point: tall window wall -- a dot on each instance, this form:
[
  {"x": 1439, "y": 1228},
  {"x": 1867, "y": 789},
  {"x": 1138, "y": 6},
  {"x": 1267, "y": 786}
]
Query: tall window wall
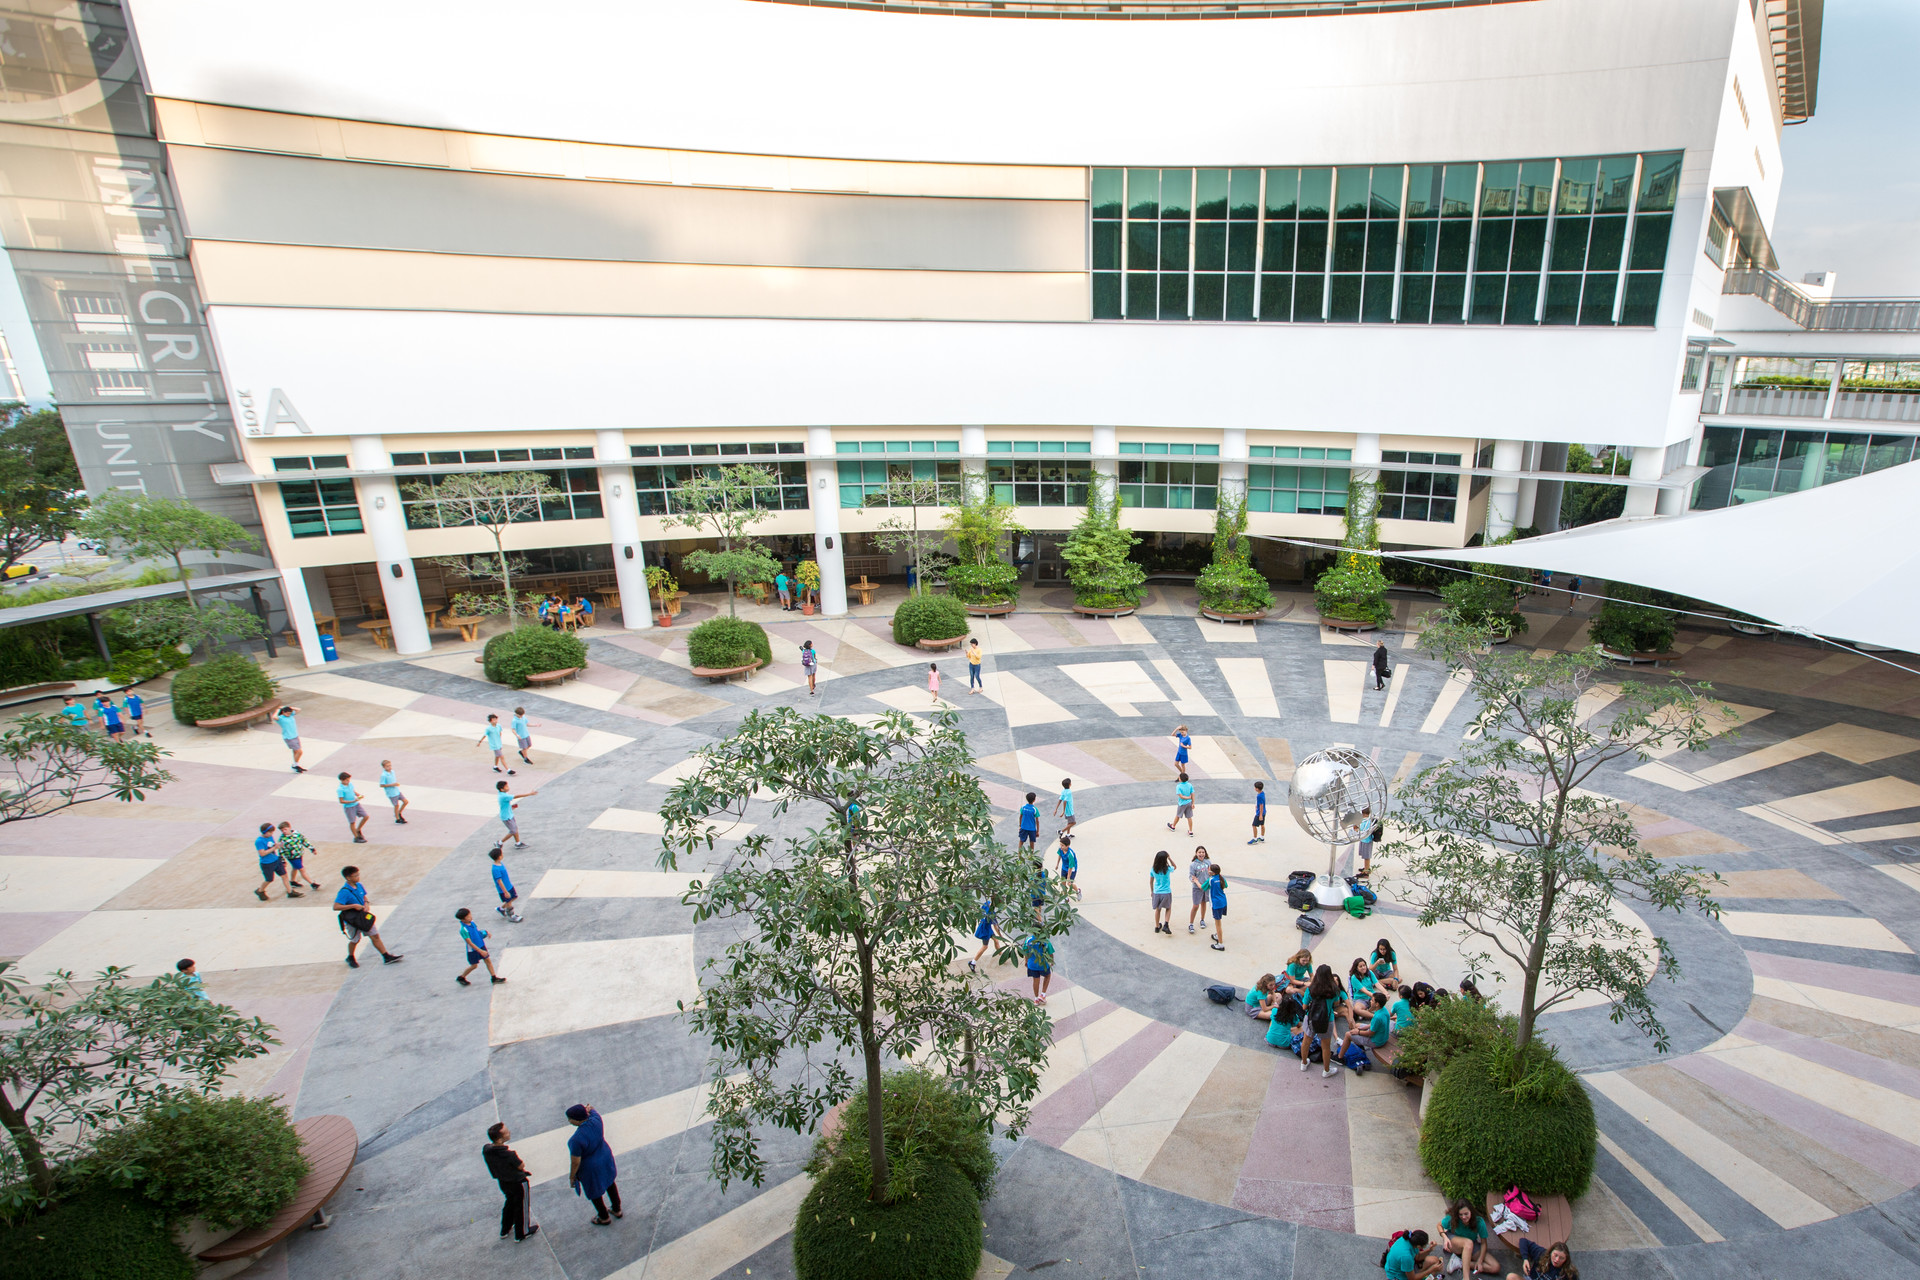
[
  {"x": 1419, "y": 495},
  {"x": 1749, "y": 464},
  {"x": 319, "y": 508},
  {"x": 1040, "y": 481},
  {"x": 1578, "y": 240},
  {"x": 1285, "y": 478}
]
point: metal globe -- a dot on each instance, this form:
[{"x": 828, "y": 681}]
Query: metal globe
[{"x": 1329, "y": 792}]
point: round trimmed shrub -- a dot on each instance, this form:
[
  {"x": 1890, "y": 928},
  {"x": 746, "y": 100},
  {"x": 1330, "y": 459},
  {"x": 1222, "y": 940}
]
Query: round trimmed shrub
[
  {"x": 924, "y": 1119},
  {"x": 101, "y": 1234},
  {"x": 1482, "y": 1134},
  {"x": 1630, "y": 622},
  {"x": 224, "y": 685},
  {"x": 529, "y": 650},
  {"x": 727, "y": 641},
  {"x": 1353, "y": 590},
  {"x": 932, "y": 1233},
  {"x": 1233, "y": 586},
  {"x": 231, "y": 1161},
  {"x": 928, "y": 617},
  {"x": 993, "y": 583}
]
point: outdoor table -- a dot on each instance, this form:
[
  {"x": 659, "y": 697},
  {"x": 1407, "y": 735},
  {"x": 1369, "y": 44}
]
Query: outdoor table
[
  {"x": 469, "y": 627},
  {"x": 381, "y": 631}
]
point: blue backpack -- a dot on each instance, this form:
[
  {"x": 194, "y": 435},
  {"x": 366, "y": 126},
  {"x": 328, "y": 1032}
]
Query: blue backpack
[
  {"x": 1358, "y": 887},
  {"x": 1355, "y": 1057}
]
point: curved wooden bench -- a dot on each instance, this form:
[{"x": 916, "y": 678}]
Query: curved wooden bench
[
  {"x": 1348, "y": 624},
  {"x": 1232, "y": 617},
  {"x": 330, "y": 1145},
  {"x": 260, "y": 712},
  {"x": 934, "y": 646},
  {"x": 554, "y": 677},
  {"x": 998, "y": 610},
  {"x": 1554, "y": 1226},
  {"x": 726, "y": 673},
  {"x": 1641, "y": 659},
  {"x": 1089, "y": 611}
]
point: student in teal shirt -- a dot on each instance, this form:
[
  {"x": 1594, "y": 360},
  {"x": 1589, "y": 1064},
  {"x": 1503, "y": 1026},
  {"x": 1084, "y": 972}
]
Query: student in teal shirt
[
  {"x": 1286, "y": 1019},
  {"x": 74, "y": 712},
  {"x": 1402, "y": 1013},
  {"x": 1360, "y": 988},
  {"x": 395, "y": 796},
  {"x": 1160, "y": 891},
  {"x": 1411, "y": 1257}
]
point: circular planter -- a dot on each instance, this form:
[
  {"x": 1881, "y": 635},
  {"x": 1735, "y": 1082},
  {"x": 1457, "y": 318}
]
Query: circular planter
[
  {"x": 1749, "y": 628},
  {"x": 933, "y": 646},
  {"x": 999, "y": 610},
  {"x": 1640, "y": 658},
  {"x": 1217, "y": 616},
  {"x": 1088, "y": 611},
  {"x": 1347, "y": 624}
]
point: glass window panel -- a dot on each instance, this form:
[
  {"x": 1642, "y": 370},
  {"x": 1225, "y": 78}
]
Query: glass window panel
[
  {"x": 1240, "y": 297},
  {"x": 1259, "y": 500},
  {"x": 1204, "y": 497},
  {"x": 1209, "y": 295},
  {"x": 1659, "y": 179},
  {"x": 1026, "y": 495},
  {"x": 347, "y": 520},
  {"x": 1423, "y": 242},
  {"x": 1106, "y": 246},
  {"x": 1143, "y": 246},
  {"x": 331, "y": 462},
  {"x": 336, "y": 493},
  {"x": 1446, "y": 486},
  {"x": 1173, "y": 297},
  {"x": 1143, "y": 193},
  {"x": 1345, "y": 299},
  {"x": 1351, "y": 191},
  {"x": 1209, "y": 246},
  {"x": 1349, "y": 246},
  {"x": 1416, "y": 299},
  {"x": 1529, "y": 244},
  {"x": 1155, "y": 494},
  {"x": 1308, "y": 292},
  {"x": 1206, "y": 472},
  {"x": 1106, "y": 295},
  {"x": 1522, "y": 293},
  {"x": 1650, "y": 232},
  {"x": 1496, "y": 243},
  {"x": 1210, "y": 193},
  {"x": 1244, "y": 194},
  {"x": 1316, "y": 193},
  {"x": 1173, "y": 246},
  {"x": 1276, "y": 297},
  {"x": 1596, "y": 301},
  {"x": 1003, "y": 493},
  {"x": 1643, "y": 298},
  {"x": 1283, "y": 192},
  {"x": 1577, "y": 178},
  {"x": 1180, "y": 472},
  {"x": 1888, "y": 451},
  {"x": 299, "y": 495},
  {"x": 1423, "y": 191},
  {"x": 1391, "y": 506},
  {"x": 1615, "y": 193},
  {"x": 1415, "y": 509},
  {"x": 676, "y": 451},
  {"x": 1382, "y": 240},
  {"x": 476, "y": 455},
  {"x": 1441, "y": 509},
  {"x": 410, "y": 459},
  {"x": 706, "y": 451},
  {"x": 1376, "y": 302},
  {"x": 1570, "y": 243},
  {"x": 1176, "y": 194},
  {"x": 1846, "y": 455},
  {"x": 1417, "y": 482},
  {"x": 1143, "y": 295},
  {"x": 1603, "y": 248},
  {"x": 1456, "y": 196},
  {"x": 1107, "y": 185},
  {"x": 1240, "y": 245},
  {"x": 1449, "y": 299},
  {"x": 1456, "y": 238},
  {"x": 1534, "y": 195},
  {"x": 1278, "y": 252},
  {"x": 1385, "y": 202},
  {"x": 1312, "y": 253},
  {"x": 1496, "y": 189}
]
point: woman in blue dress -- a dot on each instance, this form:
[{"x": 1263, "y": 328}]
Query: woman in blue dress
[{"x": 591, "y": 1169}]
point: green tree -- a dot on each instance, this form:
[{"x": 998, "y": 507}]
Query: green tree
[
  {"x": 51, "y": 764},
  {"x": 157, "y": 624},
  {"x": 77, "y": 1058},
  {"x": 1506, "y": 839},
  {"x": 848, "y": 928},
  {"x": 490, "y": 500},
  {"x": 39, "y": 481},
  {"x": 1096, "y": 552},
  {"x": 902, "y": 534},
  {"x": 1582, "y": 503},
  {"x": 723, "y": 503},
  {"x": 152, "y": 527},
  {"x": 1231, "y": 584},
  {"x": 979, "y": 523}
]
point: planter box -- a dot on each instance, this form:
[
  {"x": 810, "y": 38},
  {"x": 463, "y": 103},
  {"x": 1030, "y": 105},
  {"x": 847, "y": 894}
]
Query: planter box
[
  {"x": 1217, "y": 616},
  {"x": 1088, "y": 611},
  {"x": 1000, "y": 610}
]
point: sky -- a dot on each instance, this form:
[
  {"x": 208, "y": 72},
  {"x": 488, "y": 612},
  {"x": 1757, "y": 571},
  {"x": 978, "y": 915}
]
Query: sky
[{"x": 1851, "y": 199}]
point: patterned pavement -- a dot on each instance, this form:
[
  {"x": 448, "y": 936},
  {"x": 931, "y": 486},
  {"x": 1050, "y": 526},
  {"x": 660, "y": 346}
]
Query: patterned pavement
[{"x": 1784, "y": 1129}]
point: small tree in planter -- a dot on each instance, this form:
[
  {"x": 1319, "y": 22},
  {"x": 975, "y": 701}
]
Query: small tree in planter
[
  {"x": 902, "y": 532},
  {"x": 1231, "y": 585},
  {"x": 808, "y": 572},
  {"x": 1098, "y": 566},
  {"x": 723, "y": 503},
  {"x": 978, "y": 524},
  {"x": 1486, "y": 603},
  {"x": 1355, "y": 588},
  {"x": 1631, "y": 622},
  {"x": 490, "y": 500},
  {"x": 662, "y": 586}
]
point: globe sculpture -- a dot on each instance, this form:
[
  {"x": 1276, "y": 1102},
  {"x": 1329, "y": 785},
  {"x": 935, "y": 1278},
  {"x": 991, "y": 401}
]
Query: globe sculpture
[{"x": 1330, "y": 792}]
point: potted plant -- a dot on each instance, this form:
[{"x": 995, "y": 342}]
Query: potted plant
[
  {"x": 1631, "y": 626},
  {"x": 1231, "y": 589},
  {"x": 1106, "y": 582},
  {"x": 809, "y": 574},
  {"x": 666, "y": 591},
  {"x": 979, "y": 579}
]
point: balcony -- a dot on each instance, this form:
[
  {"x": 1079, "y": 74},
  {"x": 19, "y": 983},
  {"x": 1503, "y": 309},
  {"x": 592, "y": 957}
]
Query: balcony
[{"x": 1849, "y": 315}]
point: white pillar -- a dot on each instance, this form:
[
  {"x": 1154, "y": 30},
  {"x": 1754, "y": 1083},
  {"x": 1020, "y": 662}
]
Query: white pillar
[
  {"x": 1106, "y": 451},
  {"x": 823, "y": 495},
  {"x": 623, "y": 521},
  {"x": 1233, "y": 461},
  {"x": 293, "y": 589},
  {"x": 387, "y": 522},
  {"x": 1503, "y": 500},
  {"x": 1548, "y": 493},
  {"x": 1366, "y": 464},
  {"x": 1529, "y": 489},
  {"x": 1649, "y": 463},
  {"x": 973, "y": 460}
]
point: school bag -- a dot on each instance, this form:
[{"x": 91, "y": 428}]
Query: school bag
[
  {"x": 1521, "y": 1203},
  {"x": 1293, "y": 1046},
  {"x": 1356, "y": 906},
  {"x": 1221, "y": 993},
  {"x": 1358, "y": 886},
  {"x": 1299, "y": 877},
  {"x": 1390, "y": 1243},
  {"x": 1355, "y": 1058},
  {"x": 1306, "y": 922},
  {"x": 1301, "y": 898}
]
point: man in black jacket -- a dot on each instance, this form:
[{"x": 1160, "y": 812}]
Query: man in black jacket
[
  {"x": 506, "y": 1168},
  {"x": 1382, "y": 666}
]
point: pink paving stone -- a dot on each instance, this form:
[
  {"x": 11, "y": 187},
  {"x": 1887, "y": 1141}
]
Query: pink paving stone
[
  {"x": 1328, "y": 1206},
  {"x": 212, "y": 786},
  {"x": 1004, "y": 796},
  {"x": 1071, "y": 1024},
  {"x": 1056, "y": 1119},
  {"x": 1095, "y": 631},
  {"x": 1085, "y": 769},
  {"x": 1301, "y": 1135},
  {"x": 1035, "y": 630},
  {"x": 1671, "y": 827},
  {"x": 607, "y": 677},
  {"x": 1903, "y": 988},
  {"x": 1162, "y": 749},
  {"x": 1861, "y": 1066},
  {"x": 78, "y": 833},
  {"x": 22, "y": 931},
  {"x": 1881, "y": 1152}
]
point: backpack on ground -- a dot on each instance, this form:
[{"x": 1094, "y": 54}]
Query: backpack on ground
[
  {"x": 1301, "y": 898},
  {"x": 1354, "y": 1057},
  {"x": 1391, "y": 1241},
  {"x": 1293, "y": 1046},
  {"x": 1299, "y": 877},
  {"x": 1356, "y": 906},
  {"x": 1358, "y": 886},
  {"x": 1221, "y": 993},
  {"x": 1522, "y": 1204},
  {"x": 1307, "y": 922}
]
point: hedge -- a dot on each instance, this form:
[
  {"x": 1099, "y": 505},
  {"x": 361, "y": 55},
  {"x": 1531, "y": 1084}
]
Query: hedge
[
  {"x": 100, "y": 1234},
  {"x": 1630, "y": 622},
  {"x": 933, "y": 1233},
  {"x": 727, "y": 641},
  {"x": 231, "y": 1161},
  {"x": 1455, "y": 1026},
  {"x": 512, "y": 656},
  {"x": 993, "y": 583},
  {"x": 1481, "y": 1136},
  {"x": 924, "y": 1119},
  {"x": 221, "y": 686},
  {"x": 928, "y": 617}
]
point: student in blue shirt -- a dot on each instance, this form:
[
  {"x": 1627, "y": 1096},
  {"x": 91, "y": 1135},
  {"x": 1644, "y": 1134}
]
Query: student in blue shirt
[
  {"x": 1039, "y": 888},
  {"x": 477, "y": 954},
  {"x": 1063, "y": 808},
  {"x": 75, "y": 713},
  {"x": 1401, "y": 1010},
  {"x": 271, "y": 864},
  {"x": 503, "y": 885},
  {"x": 136, "y": 712},
  {"x": 1160, "y": 887},
  {"x": 1069, "y": 864},
  {"x": 1039, "y": 953},
  {"x": 1030, "y": 822},
  {"x": 189, "y": 973},
  {"x": 523, "y": 732},
  {"x": 390, "y": 785},
  {"x": 290, "y": 734},
  {"x": 491, "y": 736},
  {"x": 1372, "y": 1026},
  {"x": 356, "y": 921},
  {"x": 1259, "y": 813},
  {"x": 109, "y": 716},
  {"x": 783, "y": 586},
  {"x": 508, "y": 801},
  {"x": 986, "y": 930},
  {"x": 1217, "y": 890},
  {"x": 1182, "y": 804},
  {"x": 350, "y": 798},
  {"x": 1182, "y": 742},
  {"x": 1411, "y": 1257}
]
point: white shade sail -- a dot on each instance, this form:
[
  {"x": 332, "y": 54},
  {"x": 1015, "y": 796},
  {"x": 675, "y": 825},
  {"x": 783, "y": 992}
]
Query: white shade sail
[{"x": 1840, "y": 560}]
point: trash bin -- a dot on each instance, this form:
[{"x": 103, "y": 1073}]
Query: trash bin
[
  {"x": 912, "y": 578},
  {"x": 327, "y": 652}
]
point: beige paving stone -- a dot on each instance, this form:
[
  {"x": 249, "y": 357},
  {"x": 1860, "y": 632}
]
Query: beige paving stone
[
  {"x": 1692, "y": 844},
  {"x": 219, "y": 871},
  {"x": 1781, "y": 883},
  {"x": 1127, "y": 1133},
  {"x": 668, "y": 699},
  {"x": 149, "y": 811},
  {"x": 1130, "y": 758},
  {"x": 1835, "y": 931},
  {"x": 725, "y": 1242},
  {"x": 570, "y": 986},
  {"x": 1449, "y": 697},
  {"x": 32, "y": 882},
  {"x": 1244, "y": 764},
  {"x": 1247, "y": 678},
  {"x": 1187, "y": 700},
  {"x": 1887, "y": 1110},
  {"x": 1661, "y": 1191},
  {"x": 1279, "y": 757},
  {"x": 1203, "y": 1154},
  {"x": 1383, "y": 1141},
  {"x": 1345, "y": 687},
  {"x": 149, "y": 942},
  {"x": 559, "y": 883}
]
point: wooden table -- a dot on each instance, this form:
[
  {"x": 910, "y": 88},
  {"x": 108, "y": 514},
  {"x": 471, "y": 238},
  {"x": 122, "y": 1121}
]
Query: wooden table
[
  {"x": 469, "y": 627},
  {"x": 326, "y": 624},
  {"x": 381, "y": 631},
  {"x": 433, "y": 614}
]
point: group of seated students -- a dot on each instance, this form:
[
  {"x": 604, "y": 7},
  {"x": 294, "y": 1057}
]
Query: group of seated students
[
  {"x": 554, "y": 610},
  {"x": 1464, "y": 1245},
  {"x": 1303, "y": 1003}
]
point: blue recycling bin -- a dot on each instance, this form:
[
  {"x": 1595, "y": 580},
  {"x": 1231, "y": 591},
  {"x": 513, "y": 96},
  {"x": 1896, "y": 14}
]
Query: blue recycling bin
[
  {"x": 327, "y": 651},
  {"x": 912, "y": 578}
]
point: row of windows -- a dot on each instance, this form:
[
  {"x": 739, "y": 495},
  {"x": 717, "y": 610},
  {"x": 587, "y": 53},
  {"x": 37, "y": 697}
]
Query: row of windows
[
  {"x": 319, "y": 508},
  {"x": 1515, "y": 242},
  {"x": 1040, "y": 484},
  {"x": 866, "y": 484},
  {"x": 1179, "y": 486},
  {"x": 1307, "y": 491},
  {"x": 457, "y": 457},
  {"x": 754, "y": 449},
  {"x": 321, "y": 462},
  {"x": 578, "y": 499},
  {"x": 653, "y": 486},
  {"x": 896, "y": 446},
  {"x": 1748, "y": 464}
]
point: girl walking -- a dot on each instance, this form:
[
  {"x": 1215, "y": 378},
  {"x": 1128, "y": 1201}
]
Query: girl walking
[
  {"x": 933, "y": 681},
  {"x": 1198, "y": 872},
  {"x": 985, "y": 931},
  {"x": 1217, "y": 890},
  {"x": 1160, "y": 890},
  {"x": 809, "y": 663},
  {"x": 974, "y": 658}
]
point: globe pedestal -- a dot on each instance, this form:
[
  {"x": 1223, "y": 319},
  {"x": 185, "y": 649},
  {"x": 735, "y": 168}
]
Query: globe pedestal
[{"x": 1335, "y": 796}]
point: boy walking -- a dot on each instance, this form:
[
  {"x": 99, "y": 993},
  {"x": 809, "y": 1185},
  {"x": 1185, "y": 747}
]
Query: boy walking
[
  {"x": 391, "y": 787},
  {"x": 136, "y": 712},
  {"x": 295, "y": 847},
  {"x": 503, "y": 885},
  {"x": 1030, "y": 824},
  {"x": 1182, "y": 803},
  {"x": 1039, "y": 966},
  {"x": 1259, "y": 813},
  {"x": 1217, "y": 891},
  {"x": 491, "y": 736},
  {"x": 75, "y": 713},
  {"x": 523, "y": 732},
  {"x": 109, "y": 716},
  {"x": 356, "y": 921},
  {"x": 271, "y": 864},
  {"x": 506, "y": 1168},
  {"x": 1063, "y": 808},
  {"x": 1069, "y": 864},
  {"x": 290, "y": 734},
  {"x": 350, "y": 805},
  {"x": 508, "y": 803},
  {"x": 477, "y": 954}
]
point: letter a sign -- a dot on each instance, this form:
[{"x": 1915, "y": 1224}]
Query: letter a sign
[{"x": 279, "y": 410}]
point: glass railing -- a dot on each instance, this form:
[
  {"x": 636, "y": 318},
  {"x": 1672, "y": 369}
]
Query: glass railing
[{"x": 1850, "y": 315}]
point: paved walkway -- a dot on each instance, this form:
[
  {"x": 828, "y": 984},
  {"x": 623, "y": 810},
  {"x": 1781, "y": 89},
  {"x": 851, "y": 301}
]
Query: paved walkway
[{"x": 1782, "y": 1135}]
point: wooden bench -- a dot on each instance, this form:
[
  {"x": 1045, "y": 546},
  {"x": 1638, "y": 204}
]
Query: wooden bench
[
  {"x": 260, "y": 712},
  {"x": 726, "y": 673},
  {"x": 934, "y": 646},
  {"x": 330, "y": 1145},
  {"x": 554, "y": 677},
  {"x": 1347, "y": 624},
  {"x": 1554, "y": 1226}
]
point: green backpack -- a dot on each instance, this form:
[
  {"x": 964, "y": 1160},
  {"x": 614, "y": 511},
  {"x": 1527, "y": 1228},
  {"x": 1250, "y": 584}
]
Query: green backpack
[{"x": 1356, "y": 906}]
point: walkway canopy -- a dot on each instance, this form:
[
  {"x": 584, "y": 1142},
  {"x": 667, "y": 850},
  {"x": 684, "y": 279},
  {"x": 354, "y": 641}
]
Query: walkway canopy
[
  {"x": 1841, "y": 560},
  {"x": 99, "y": 602}
]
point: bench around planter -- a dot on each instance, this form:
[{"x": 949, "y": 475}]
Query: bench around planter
[
  {"x": 330, "y": 1145},
  {"x": 1089, "y": 611},
  {"x": 1553, "y": 1226},
  {"x": 934, "y": 646},
  {"x": 999, "y": 609},
  {"x": 1218, "y": 616},
  {"x": 726, "y": 673},
  {"x": 1641, "y": 659},
  {"x": 554, "y": 677},
  {"x": 260, "y": 712},
  {"x": 1348, "y": 624}
]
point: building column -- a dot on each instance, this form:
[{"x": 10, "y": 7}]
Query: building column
[
  {"x": 1649, "y": 463},
  {"x": 1106, "y": 451},
  {"x": 623, "y": 521},
  {"x": 1503, "y": 499},
  {"x": 293, "y": 588},
  {"x": 1233, "y": 462},
  {"x": 1524, "y": 507},
  {"x": 973, "y": 460},
  {"x": 829, "y": 550},
  {"x": 1675, "y": 502},
  {"x": 387, "y": 522},
  {"x": 1546, "y": 503}
]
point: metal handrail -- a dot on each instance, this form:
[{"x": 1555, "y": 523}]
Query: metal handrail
[
  {"x": 1849, "y": 315},
  {"x": 1149, "y": 8}
]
